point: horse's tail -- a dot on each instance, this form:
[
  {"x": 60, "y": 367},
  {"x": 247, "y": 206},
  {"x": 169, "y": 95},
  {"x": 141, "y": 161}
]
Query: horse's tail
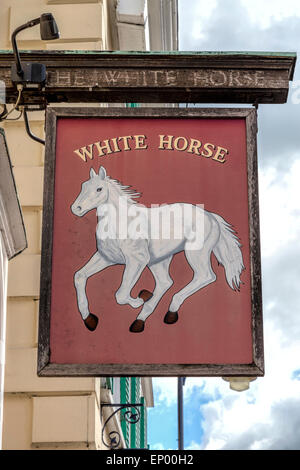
[{"x": 228, "y": 253}]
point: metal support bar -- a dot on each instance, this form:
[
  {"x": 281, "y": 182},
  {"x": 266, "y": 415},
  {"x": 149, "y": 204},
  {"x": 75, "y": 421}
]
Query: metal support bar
[
  {"x": 129, "y": 416},
  {"x": 180, "y": 384},
  {"x": 31, "y": 135}
]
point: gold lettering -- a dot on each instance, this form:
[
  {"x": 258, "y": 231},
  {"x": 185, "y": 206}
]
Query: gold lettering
[
  {"x": 163, "y": 142},
  {"x": 140, "y": 142},
  {"x": 176, "y": 144},
  {"x": 209, "y": 150},
  {"x": 125, "y": 140},
  {"x": 194, "y": 146},
  {"x": 221, "y": 152},
  {"x": 84, "y": 152},
  {"x": 166, "y": 142},
  {"x": 115, "y": 145},
  {"x": 101, "y": 148}
]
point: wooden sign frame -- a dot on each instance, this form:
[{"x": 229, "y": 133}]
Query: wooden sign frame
[{"x": 48, "y": 368}]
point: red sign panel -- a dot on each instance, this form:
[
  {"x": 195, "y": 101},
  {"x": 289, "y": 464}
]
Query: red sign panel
[{"x": 150, "y": 244}]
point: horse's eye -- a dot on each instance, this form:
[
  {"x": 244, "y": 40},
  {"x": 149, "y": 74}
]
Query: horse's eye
[{"x": 98, "y": 190}]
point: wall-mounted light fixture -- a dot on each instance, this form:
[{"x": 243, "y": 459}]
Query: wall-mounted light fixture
[{"x": 33, "y": 73}]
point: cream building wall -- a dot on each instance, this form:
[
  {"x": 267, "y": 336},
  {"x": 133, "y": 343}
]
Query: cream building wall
[
  {"x": 3, "y": 292},
  {"x": 59, "y": 413},
  {"x": 43, "y": 412}
]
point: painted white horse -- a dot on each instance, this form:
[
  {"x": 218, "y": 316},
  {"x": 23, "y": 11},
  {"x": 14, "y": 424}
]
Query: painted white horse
[{"x": 142, "y": 244}]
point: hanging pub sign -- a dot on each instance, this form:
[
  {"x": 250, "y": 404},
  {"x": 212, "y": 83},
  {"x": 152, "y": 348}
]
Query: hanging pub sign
[{"x": 150, "y": 256}]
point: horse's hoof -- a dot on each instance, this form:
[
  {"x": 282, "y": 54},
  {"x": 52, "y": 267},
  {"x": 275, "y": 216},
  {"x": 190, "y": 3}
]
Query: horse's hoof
[
  {"x": 91, "y": 322},
  {"x": 137, "y": 326},
  {"x": 145, "y": 295},
  {"x": 171, "y": 317}
]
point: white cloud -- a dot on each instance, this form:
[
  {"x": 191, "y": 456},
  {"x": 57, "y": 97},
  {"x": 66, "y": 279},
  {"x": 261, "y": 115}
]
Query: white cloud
[
  {"x": 260, "y": 13},
  {"x": 193, "y": 446},
  {"x": 265, "y": 12},
  {"x": 279, "y": 208},
  {"x": 166, "y": 389},
  {"x": 251, "y": 420},
  {"x": 203, "y": 11},
  {"x": 157, "y": 446},
  {"x": 233, "y": 25}
]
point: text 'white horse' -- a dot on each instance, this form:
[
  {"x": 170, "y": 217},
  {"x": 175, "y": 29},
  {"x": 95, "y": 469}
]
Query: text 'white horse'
[{"x": 114, "y": 202}]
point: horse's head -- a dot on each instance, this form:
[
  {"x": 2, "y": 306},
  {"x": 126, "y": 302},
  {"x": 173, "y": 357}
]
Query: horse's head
[{"x": 93, "y": 192}]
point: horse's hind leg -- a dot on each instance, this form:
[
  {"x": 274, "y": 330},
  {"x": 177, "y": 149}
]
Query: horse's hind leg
[
  {"x": 94, "y": 265},
  {"x": 199, "y": 260},
  {"x": 163, "y": 282}
]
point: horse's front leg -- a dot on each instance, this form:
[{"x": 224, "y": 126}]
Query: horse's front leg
[
  {"x": 133, "y": 269},
  {"x": 163, "y": 282},
  {"x": 96, "y": 264}
]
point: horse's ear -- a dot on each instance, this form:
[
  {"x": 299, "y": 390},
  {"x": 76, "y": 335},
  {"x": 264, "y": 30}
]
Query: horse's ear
[
  {"x": 92, "y": 173},
  {"x": 102, "y": 172}
]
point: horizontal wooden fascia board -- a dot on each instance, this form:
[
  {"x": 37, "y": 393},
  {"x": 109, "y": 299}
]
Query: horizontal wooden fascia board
[{"x": 208, "y": 77}]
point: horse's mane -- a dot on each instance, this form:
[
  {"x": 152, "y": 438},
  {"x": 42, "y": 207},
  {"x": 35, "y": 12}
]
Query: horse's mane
[{"x": 124, "y": 191}]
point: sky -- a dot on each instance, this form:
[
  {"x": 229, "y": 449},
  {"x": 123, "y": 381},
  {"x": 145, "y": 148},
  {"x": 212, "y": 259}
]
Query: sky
[{"x": 267, "y": 416}]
